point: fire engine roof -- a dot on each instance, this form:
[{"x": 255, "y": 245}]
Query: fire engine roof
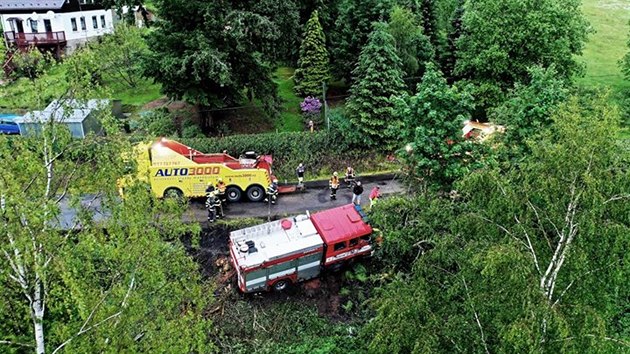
[
  {"x": 274, "y": 240},
  {"x": 341, "y": 223}
]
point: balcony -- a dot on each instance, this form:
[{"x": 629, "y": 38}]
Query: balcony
[{"x": 22, "y": 40}]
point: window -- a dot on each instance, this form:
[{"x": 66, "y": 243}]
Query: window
[
  {"x": 86, "y": 2},
  {"x": 366, "y": 238},
  {"x": 34, "y": 26},
  {"x": 339, "y": 246},
  {"x": 83, "y": 27},
  {"x": 94, "y": 22},
  {"x": 73, "y": 21},
  {"x": 102, "y": 21},
  {"x": 354, "y": 242}
]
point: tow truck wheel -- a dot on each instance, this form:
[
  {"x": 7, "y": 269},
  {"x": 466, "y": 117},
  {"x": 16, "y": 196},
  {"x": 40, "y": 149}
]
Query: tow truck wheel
[
  {"x": 174, "y": 193},
  {"x": 281, "y": 285},
  {"x": 255, "y": 193},
  {"x": 233, "y": 194}
]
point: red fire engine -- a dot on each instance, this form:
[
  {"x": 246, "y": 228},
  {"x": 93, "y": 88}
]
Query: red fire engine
[{"x": 282, "y": 252}]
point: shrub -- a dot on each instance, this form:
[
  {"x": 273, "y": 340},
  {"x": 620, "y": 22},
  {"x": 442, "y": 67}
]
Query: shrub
[
  {"x": 158, "y": 123},
  {"x": 319, "y": 151}
]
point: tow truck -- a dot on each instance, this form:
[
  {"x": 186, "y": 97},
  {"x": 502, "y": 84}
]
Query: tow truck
[
  {"x": 282, "y": 252},
  {"x": 176, "y": 170}
]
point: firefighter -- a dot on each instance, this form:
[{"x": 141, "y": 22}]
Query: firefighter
[
  {"x": 333, "y": 184},
  {"x": 300, "y": 174},
  {"x": 211, "y": 206},
  {"x": 272, "y": 192},
  {"x": 349, "y": 179},
  {"x": 221, "y": 191},
  {"x": 209, "y": 188}
]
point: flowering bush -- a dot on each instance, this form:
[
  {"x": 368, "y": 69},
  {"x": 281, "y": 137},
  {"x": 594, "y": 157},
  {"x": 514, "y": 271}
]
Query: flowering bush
[{"x": 311, "y": 105}]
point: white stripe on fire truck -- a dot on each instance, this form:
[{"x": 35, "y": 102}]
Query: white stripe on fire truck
[
  {"x": 348, "y": 254},
  {"x": 280, "y": 274}
]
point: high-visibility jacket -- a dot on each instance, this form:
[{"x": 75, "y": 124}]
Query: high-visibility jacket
[{"x": 334, "y": 182}]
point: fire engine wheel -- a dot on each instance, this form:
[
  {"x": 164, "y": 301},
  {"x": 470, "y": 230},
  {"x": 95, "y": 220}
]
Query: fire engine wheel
[
  {"x": 174, "y": 193},
  {"x": 233, "y": 194},
  {"x": 281, "y": 285},
  {"x": 255, "y": 193}
]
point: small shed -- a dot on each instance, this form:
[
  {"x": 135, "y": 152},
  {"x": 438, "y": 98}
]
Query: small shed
[{"x": 81, "y": 117}]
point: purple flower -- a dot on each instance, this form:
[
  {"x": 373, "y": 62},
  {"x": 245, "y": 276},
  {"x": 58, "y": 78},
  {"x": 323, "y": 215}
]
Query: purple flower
[{"x": 311, "y": 105}]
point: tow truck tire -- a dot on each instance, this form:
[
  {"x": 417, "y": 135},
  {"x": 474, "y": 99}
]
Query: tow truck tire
[
  {"x": 255, "y": 193},
  {"x": 174, "y": 193},
  {"x": 281, "y": 285},
  {"x": 233, "y": 194}
]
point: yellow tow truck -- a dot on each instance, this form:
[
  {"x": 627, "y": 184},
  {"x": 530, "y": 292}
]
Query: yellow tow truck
[{"x": 176, "y": 170}]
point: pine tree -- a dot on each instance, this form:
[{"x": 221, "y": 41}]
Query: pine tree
[
  {"x": 377, "y": 77},
  {"x": 430, "y": 22},
  {"x": 454, "y": 33},
  {"x": 313, "y": 65}
]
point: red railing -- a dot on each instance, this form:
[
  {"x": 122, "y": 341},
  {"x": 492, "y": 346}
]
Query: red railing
[{"x": 27, "y": 39}]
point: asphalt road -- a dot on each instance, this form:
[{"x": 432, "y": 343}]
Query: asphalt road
[{"x": 315, "y": 198}]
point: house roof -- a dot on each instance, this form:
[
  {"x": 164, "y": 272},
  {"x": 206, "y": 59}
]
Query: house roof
[
  {"x": 12, "y": 5},
  {"x": 69, "y": 111}
]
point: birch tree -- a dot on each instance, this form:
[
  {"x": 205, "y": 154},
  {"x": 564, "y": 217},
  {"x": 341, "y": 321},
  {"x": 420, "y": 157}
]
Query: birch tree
[
  {"x": 534, "y": 258},
  {"x": 88, "y": 283}
]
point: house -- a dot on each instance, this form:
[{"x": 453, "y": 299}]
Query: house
[
  {"x": 81, "y": 117},
  {"x": 480, "y": 131},
  {"x": 56, "y": 26},
  {"x": 141, "y": 15}
]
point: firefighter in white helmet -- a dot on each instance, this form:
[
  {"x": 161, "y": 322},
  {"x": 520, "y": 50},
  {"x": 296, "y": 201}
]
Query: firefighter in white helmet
[{"x": 333, "y": 184}]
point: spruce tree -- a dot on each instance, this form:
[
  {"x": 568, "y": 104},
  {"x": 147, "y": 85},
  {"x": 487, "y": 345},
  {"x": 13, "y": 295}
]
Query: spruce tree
[
  {"x": 430, "y": 22},
  {"x": 377, "y": 77},
  {"x": 313, "y": 65},
  {"x": 454, "y": 33}
]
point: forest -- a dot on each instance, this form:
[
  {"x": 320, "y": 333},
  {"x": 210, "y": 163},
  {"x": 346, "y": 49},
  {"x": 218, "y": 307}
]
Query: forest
[{"x": 515, "y": 243}]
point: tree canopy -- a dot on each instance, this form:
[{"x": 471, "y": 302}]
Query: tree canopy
[
  {"x": 377, "y": 78},
  {"x": 313, "y": 65},
  {"x": 218, "y": 58}
]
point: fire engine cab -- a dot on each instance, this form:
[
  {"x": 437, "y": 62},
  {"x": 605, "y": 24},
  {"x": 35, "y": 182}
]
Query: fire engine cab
[
  {"x": 276, "y": 254},
  {"x": 174, "y": 169}
]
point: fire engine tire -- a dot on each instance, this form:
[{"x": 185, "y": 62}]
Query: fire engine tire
[
  {"x": 281, "y": 285},
  {"x": 233, "y": 194},
  {"x": 255, "y": 193},
  {"x": 174, "y": 193}
]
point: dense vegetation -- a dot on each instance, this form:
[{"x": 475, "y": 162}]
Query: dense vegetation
[{"x": 518, "y": 243}]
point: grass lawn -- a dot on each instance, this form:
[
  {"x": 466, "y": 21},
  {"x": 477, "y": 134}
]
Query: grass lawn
[
  {"x": 607, "y": 46},
  {"x": 290, "y": 116},
  {"x": 19, "y": 96},
  {"x": 145, "y": 92}
]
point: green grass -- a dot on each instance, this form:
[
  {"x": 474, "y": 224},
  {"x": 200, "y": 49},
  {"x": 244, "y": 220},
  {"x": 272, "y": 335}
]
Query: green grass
[
  {"x": 145, "y": 92},
  {"x": 609, "y": 18},
  {"x": 290, "y": 117},
  {"x": 19, "y": 96}
]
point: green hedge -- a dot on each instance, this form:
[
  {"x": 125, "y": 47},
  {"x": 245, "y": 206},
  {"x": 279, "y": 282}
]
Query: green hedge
[{"x": 317, "y": 150}]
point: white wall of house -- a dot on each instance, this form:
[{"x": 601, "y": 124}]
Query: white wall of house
[{"x": 76, "y": 31}]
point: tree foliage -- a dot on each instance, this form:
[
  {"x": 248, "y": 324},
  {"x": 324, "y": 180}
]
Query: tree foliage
[
  {"x": 432, "y": 129},
  {"x": 377, "y": 78},
  {"x": 313, "y": 65},
  {"x": 120, "y": 55},
  {"x": 533, "y": 258},
  {"x": 502, "y": 39},
  {"x": 449, "y": 55},
  {"x": 83, "y": 283},
  {"x": 529, "y": 108},
  {"x": 212, "y": 53},
  {"x": 412, "y": 46},
  {"x": 352, "y": 28},
  {"x": 624, "y": 63}
]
